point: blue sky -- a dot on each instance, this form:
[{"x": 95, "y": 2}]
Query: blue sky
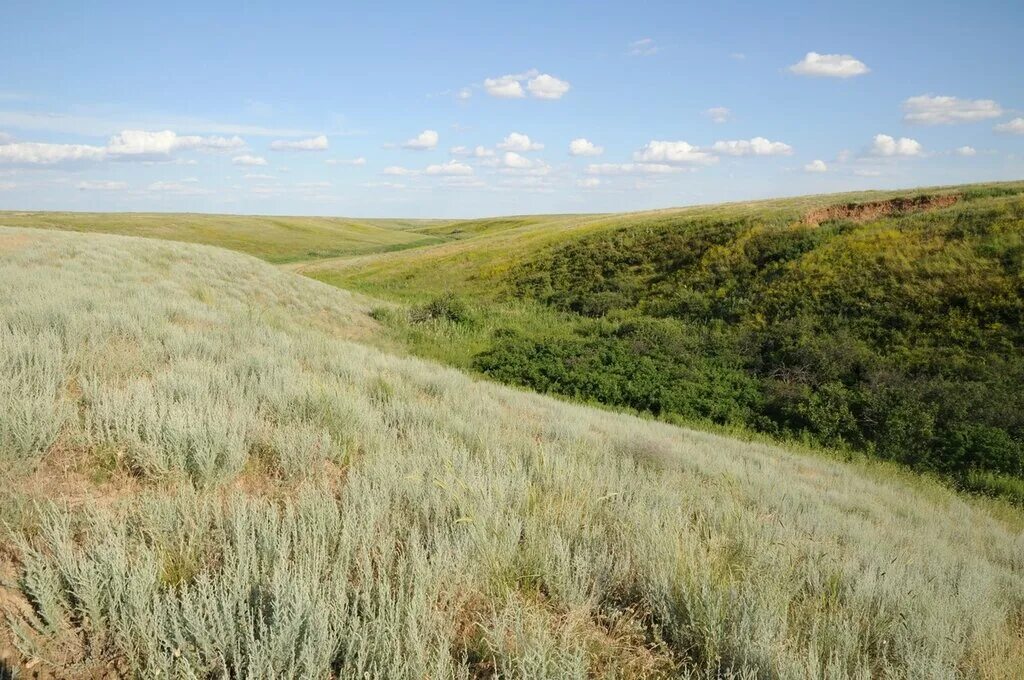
[{"x": 464, "y": 109}]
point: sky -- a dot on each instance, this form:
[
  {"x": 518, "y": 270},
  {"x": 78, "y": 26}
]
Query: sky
[{"x": 462, "y": 109}]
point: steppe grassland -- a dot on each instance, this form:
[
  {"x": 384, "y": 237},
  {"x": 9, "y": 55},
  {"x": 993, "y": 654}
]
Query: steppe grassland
[
  {"x": 258, "y": 496},
  {"x": 275, "y": 239}
]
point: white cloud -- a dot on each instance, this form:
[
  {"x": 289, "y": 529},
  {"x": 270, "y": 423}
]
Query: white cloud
[
  {"x": 464, "y": 94},
  {"x": 382, "y": 185},
  {"x": 313, "y": 185},
  {"x": 588, "y": 182},
  {"x": 673, "y": 152},
  {"x": 513, "y": 160},
  {"x": 929, "y": 110},
  {"x": 758, "y": 146},
  {"x": 257, "y": 176},
  {"x": 33, "y": 153},
  {"x": 162, "y": 143},
  {"x": 584, "y": 147},
  {"x": 632, "y": 169},
  {"x": 738, "y": 56},
  {"x": 4, "y": 138},
  {"x": 816, "y": 166},
  {"x": 966, "y": 151},
  {"x": 829, "y": 66},
  {"x": 539, "y": 85},
  {"x": 546, "y": 86},
  {"x": 423, "y": 141},
  {"x": 318, "y": 143},
  {"x": 718, "y": 114},
  {"x": 867, "y": 173},
  {"x": 884, "y": 145},
  {"x": 7, "y": 186},
  {"x": 399, "y": 171},
  {"x": 1014, "y": 127},
  {"x": 517, "y": 141},
  {"x": 101, "y": 185},
  {"x": 346, "y": 161},
  {"x": 459, "y": 151},
  {"x": 86, "y": 125},
  {"x": 249, "y": 159},
  {"x": 449, "y": 168},
  {"x": 482, "y": 152},
  {"x": 507, "y": 86},
  {"x": 644, "y": 47}
]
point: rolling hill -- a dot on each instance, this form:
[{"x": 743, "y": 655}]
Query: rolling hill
[
  {"x": 888, "y": 323},
  {"x": 210, "y": 474},
  {"x": 275, "y": 239}
]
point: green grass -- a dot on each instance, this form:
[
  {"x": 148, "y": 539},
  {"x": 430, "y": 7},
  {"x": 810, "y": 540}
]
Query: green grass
[
  {"x": 483, "y": 253},
  {"x": 899, "y": 335},
  {"x": 275, "y": 239},
  {"x": 275, "y": 500}
]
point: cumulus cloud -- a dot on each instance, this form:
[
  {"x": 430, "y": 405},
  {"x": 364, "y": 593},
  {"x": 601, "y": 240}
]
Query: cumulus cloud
[
  {"x": 632, "y": 169},
  {"x": 829, "y": 66},
  {"x": 506, "y": 87},
  {"x": 718, "y": 114},
  {"x": 449, "y": 168},
  {"x": 249, "y": 159},
  {"x": 584, "y": 147},
  {"x": 33, "y": 153},
  {"x": 101, "y": 185},
  {"x": 673, "y": 152},
  {"x": 588, "y": 182},
  {"x": 513, "y": 160},
  {"x": 928, "y": 110},
  {"x": 816, "y": 166},
  {"x": 884, "y": 145},
  {"x": 966, "y": 151},
  {"x": 644, "y": 47},
  {"x": 318, "y": 143},
  {"x": 758, "y": 146},
  {"x": 423, "y": 141},
  {"x": 346, "y": 161},
  {"x": 539, "y": 85},
  {"x": 126, "y": 145},
  {"x": 1013, "y": 127},
  {"x": 164, "y": 142},
  {"x": 517, "y": 141},
  {"x": 546, "y": 86}
]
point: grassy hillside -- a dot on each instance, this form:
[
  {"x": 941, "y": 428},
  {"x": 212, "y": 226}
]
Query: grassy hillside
[
  {"x": 205, "y": 477},
  {"x": 481, "y": 253},
  {"x": 276, "y": 239},
  {"x": 891, "y": 324}
]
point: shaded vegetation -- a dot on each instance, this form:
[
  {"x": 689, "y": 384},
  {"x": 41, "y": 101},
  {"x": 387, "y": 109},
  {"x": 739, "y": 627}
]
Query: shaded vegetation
[{"x": 901, "y": 337}]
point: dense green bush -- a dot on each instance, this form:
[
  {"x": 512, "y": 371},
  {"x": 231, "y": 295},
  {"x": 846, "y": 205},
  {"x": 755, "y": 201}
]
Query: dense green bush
[
  {"x": 901, "y": 336},
  {"x": 445, "y": 307}
]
